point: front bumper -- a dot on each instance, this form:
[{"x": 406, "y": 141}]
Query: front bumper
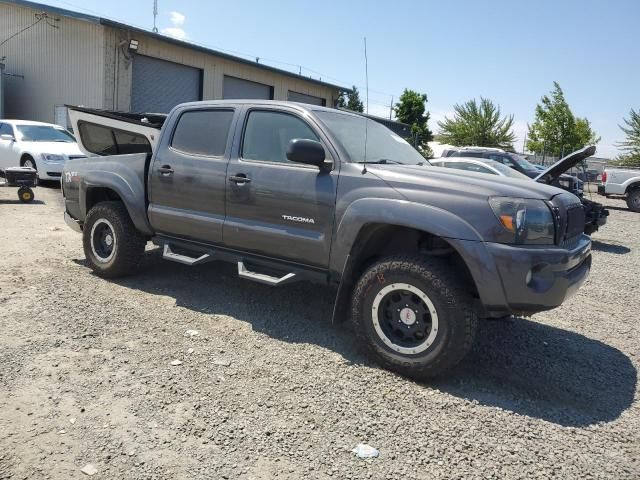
[
  {"x": 50, "y": 171},
  {"x": 538, "y": 279},
  {"x": 524, "y": 279}
]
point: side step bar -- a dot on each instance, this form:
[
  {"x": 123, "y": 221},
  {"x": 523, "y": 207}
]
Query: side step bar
[
  {"x": 244, "y": 272},
  {"x": 168, "y": 254}
]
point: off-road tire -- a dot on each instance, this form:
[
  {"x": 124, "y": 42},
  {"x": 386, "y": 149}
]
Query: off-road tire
[
  {"x": 129, "y": 242},
  {"x": 633, "y": 200},
  {"x": 457, "y": 319}
]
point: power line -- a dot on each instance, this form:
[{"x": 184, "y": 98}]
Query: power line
[{"x": 39, "y": 17}]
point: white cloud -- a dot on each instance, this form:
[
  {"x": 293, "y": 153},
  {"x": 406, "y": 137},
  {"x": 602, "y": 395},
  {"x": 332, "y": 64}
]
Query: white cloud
[
  {"x": 176, "y": 31},
  {"x": 177, "y": 19}
]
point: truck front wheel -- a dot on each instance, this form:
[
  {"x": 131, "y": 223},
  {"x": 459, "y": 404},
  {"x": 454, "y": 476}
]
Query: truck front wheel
[
  {"x": 413, "y": 315},
  {"x": 112, "y": 244},
  {"x": 633, "y": 200}
]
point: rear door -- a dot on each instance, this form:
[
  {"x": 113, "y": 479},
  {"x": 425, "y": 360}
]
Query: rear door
[
  {"x": 187, "y": 178},
  {"x": 276, "y": 207}
]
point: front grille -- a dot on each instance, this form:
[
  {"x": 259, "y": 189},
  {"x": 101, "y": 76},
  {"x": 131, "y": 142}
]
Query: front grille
[
  {"x": 574, "y": 225},
  {"x": 75, "y": 157},
  {"x": 54, "y": 174}
]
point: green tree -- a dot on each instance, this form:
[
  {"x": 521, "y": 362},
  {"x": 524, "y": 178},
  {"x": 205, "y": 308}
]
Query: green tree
[
  {"x": 631, "y": 145},
  {"x": 556, "y": 131},
  {"x": 411, "y": 109},
  {"x": 479, "y": 125},
  {"x": 351, "y": 100}
]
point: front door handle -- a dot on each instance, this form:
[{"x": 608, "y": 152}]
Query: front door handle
[
  {"x": 165, "y": 170},
  {"x": 239, "y": 178}
]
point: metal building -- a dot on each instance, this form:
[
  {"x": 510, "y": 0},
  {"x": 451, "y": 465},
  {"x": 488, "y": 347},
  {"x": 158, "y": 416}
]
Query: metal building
[{"x": 64, "y": 57}]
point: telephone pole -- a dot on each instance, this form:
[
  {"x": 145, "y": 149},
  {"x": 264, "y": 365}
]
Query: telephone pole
[{"x": 155, "y": 15}]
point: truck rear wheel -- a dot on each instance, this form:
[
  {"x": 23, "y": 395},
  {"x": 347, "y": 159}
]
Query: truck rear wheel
[
  {"x": 633, "y": 200},
  {"x": 112, "y": 244},
  {"x": 413, "y": 315}
]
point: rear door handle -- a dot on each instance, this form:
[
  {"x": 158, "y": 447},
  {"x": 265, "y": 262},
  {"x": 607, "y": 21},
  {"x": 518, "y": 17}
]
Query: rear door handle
[
  {"x": 239, "y": 178},
  {"x": 165, "y": 170}
]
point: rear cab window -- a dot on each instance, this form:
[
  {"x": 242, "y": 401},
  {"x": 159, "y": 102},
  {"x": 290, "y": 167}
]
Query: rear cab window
[
  {"x": 103, "y": 140},
  {"x": 203, "y": 132}
]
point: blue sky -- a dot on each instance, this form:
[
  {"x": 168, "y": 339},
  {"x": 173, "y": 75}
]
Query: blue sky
[{"x": 510, "y": 51}]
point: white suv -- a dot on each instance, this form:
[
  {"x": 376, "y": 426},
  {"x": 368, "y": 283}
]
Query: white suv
[{"x": 42, "y": 146}]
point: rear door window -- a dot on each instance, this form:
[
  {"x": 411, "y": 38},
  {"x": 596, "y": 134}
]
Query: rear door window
[
  {"x": 5, "y": 129},
  {"x": 203, "y": 132}
]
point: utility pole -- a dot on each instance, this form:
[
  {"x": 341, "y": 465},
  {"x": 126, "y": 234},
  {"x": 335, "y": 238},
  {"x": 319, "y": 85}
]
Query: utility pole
[
  {"x": 155, "y": 15},
  {"x": 391, "y": 108}
]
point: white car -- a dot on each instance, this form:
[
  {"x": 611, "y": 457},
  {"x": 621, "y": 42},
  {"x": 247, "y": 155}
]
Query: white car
[{"x": 42, "y": 146}]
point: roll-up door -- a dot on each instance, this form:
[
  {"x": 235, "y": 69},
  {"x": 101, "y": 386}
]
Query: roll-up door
[
  {"x": 304, "y": 98},
  {"x": 159, "y": 85},
  {"x": 238, "y": 88}
]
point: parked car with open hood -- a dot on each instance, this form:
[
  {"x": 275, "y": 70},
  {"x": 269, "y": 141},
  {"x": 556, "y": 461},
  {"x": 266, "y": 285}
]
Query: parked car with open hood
[
  {"x": 519, "y": 163},
  {"x": 289, "y": 192},
  {"x": 41, "y": 146},
  {"x": 595, "y": 213}
]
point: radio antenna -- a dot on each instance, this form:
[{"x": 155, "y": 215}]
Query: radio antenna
[
  {"x": 155, "y": 15},
  {"x": 366, "y": 120}
]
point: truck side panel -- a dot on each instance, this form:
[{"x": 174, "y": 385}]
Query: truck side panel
[{"x": 88, "y": 181}]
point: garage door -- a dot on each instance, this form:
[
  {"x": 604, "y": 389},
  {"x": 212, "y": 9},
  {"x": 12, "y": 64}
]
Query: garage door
[
  {"x": 158, "y": 85},
  {"x": 304, "y": 98},
  {"x": 235, "y": 88}
]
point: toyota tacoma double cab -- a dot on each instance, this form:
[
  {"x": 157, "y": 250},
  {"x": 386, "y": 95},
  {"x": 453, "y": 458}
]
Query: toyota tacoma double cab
[{"x": 289, "y": 192}]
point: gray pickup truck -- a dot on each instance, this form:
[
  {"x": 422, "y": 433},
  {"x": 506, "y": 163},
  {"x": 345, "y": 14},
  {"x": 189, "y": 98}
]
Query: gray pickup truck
[{"x": 297, "y": 192}]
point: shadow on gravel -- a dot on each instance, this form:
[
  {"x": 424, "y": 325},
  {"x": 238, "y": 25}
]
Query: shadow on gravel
[
  {"x": 20, "y": 202},
  {"x": 599, "y": 246},
  {"x": 519, "y": 365},
  {"x": 544, "y": 372}
]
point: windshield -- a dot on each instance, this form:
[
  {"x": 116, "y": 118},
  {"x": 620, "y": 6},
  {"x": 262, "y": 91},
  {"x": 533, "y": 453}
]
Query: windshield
[
  {"x": 507, "y": 171},
  {"x": 523, "y": 162},
  {"x": 383, "y": 146},
  {"x": 43, "y": 133}
]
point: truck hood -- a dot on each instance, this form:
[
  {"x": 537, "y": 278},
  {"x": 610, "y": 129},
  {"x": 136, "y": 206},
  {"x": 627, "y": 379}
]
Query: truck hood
[
  {"x": 419, "y": 179},
  {"x": 554, "y": 172}
]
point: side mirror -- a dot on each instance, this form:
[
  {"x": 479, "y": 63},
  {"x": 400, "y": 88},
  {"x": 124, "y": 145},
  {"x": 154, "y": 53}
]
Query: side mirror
[
  {"x": 7, "y": 137},
  {"x": 305, "y": 151}
]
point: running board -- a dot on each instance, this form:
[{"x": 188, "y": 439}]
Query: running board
[
  {"x": 168, "y": 254},
  {"x": 244, "y": 272}
]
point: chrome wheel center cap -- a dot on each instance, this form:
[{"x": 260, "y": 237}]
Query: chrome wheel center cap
[
  {"x": 408, "y": 316},
  {"x": 108, "y": 240}
]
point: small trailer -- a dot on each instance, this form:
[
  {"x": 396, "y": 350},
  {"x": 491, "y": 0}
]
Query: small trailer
[{"x": 24, "y": 178}]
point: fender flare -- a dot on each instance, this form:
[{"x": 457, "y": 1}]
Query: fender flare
[
  {"x": 401, "y": 213},
  {"x": 131, "y": 192},
  {"x": 460, "y": 234}
]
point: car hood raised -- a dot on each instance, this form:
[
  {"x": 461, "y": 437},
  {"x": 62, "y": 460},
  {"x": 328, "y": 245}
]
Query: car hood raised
[{"x": 554, "y": 172}]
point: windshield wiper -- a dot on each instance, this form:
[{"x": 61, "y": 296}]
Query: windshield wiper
[{"x": 382, "y": 161}]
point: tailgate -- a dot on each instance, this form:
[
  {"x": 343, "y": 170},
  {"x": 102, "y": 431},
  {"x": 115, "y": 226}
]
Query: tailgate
[{"x": 103, "y": 132}]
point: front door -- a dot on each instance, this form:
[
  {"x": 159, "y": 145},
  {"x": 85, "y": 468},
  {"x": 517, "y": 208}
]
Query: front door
[
  {"x": 276, "y": 207},
  {"x": 187, "y": 180}
]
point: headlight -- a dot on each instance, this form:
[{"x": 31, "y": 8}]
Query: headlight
[
  {"x": 530, "y": 221},
  {"x": 52, "y": 158}
]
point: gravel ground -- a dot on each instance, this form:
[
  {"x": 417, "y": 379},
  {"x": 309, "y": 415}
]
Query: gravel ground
[{"x": 269, "y": 388}]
